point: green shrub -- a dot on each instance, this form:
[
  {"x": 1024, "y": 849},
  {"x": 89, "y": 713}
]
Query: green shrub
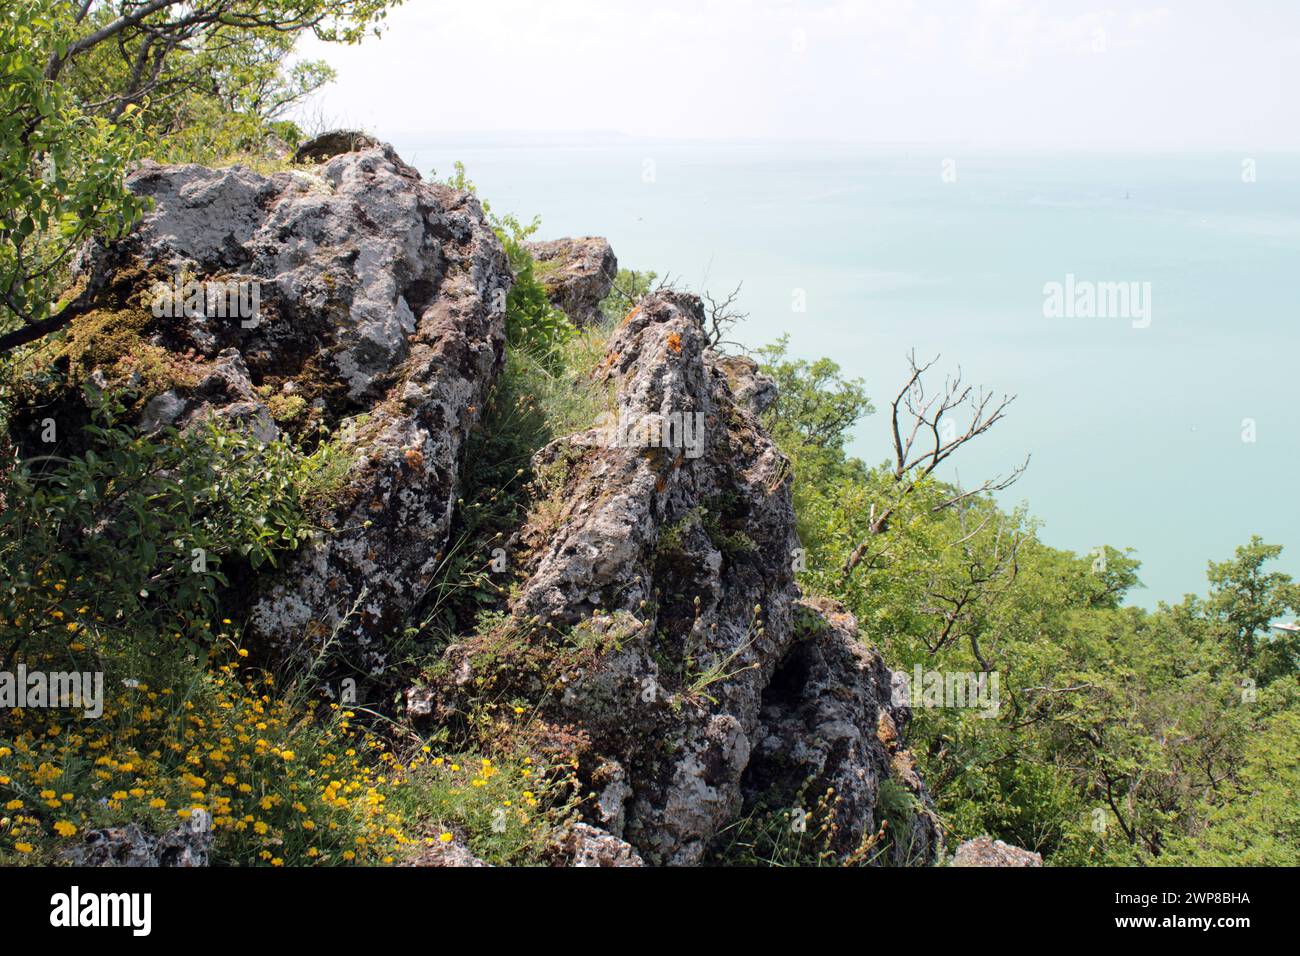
[
  {"x": 629, "y": 287},
  {"x": 130, "y": 536}
]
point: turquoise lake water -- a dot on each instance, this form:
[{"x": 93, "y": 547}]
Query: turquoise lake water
[{"x": 1136, "y": 434}]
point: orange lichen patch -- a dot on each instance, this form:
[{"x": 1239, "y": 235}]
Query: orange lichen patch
[
  {"x": 675, "y": 343},
  {"x": 414, "y": 457},
  {"x": 885, "y": 730},
  {"x": 611, "y": 359},
  {"x": 631, "y": 315}
]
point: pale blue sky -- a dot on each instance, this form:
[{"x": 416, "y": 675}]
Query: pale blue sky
[{"x": 983, "y": 73}]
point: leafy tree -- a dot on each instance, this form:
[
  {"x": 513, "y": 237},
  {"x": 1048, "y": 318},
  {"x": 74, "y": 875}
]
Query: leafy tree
[
  {"x": 134, "y": 535},
  {"x": 1120, "y": 734},
  {"x": 60, "y": 178},
  {"x": 89, "y": 86},
  {"x": 816, "y": 407},
  {"x": 1256, "y": 820},
  {"x": 1245, "y": 599}
]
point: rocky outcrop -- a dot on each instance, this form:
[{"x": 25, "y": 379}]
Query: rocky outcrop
[
  {"x": 132, "y": 846},
  {"x": 986, "y": 851},
  {"x": 830, "y": 732},
  {"x": 658, "y": 606},
  {"x": 354, "y": 299},
  {"x": 439, "y": 854},
  {"x": 585, "y": 845},
  {"x": 752, "y": 388},
  {"x": 223, "y": 389},
  {"x": 333, "y": 143},
  {"x": 577, "y": 275},
  {"x": 655, "y": 626},
  {"x": 578, "y": 844}
]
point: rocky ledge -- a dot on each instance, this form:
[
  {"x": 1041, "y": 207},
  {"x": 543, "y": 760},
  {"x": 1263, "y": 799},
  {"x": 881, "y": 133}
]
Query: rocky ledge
[
  {"x": 367, "y": 304},
  {"x": 577, "y": 275}
]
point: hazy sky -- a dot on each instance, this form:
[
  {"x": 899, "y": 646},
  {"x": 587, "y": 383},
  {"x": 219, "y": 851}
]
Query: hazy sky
[{"x": 1051, "y": 73}]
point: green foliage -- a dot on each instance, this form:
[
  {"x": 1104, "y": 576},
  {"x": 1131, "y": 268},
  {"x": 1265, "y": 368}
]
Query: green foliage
[
  {"x": 218, "y": 96},
  {"x": 1245, "y": 599},
  {"x": 776, "y": 837},
  {"x": 811, "y": 420},
  {"x": 784, "y": 836},
  {"x": 816, "y": 406},
  {"x": 508, "y": 813},
  {"x": 700, "y": 676},
  {"x": 226, "y": 746},
  {"x": 117, "y": 561},
  {"x": 896, "y": 809},
  {"x": 1114, "y": 723},
  {"x": 60, "y": 170},
  {"x": 131, "y": 535},
  {"x": 1255, "y": 819},
  {"x": 628, "y": 289},
  {"x": 209, "y": 80}
]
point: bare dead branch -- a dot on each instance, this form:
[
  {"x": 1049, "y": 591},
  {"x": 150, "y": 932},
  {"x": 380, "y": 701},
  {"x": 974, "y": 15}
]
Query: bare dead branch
[
  {"x": 720, "y": 315},
  {"x": 918, "y": 419}
]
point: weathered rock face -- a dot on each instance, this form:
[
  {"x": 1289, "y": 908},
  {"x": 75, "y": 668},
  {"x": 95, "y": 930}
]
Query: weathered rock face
[
  {"x": 577, "y": 274},
  {"x": 986, "y": 851},
  {"x": 333, "y": 143},
  {"x": 659, "y": 603},
  {"x": 445, "y": 855},
  {"x": 753, "y": 389},
  {"x": 657, "y": 626},
  {"x": 830, "y": 723},
  {"x": 585, "y": 845},
  {"x": 579, "y": 844},
  {"x": 367, "y": 302}
]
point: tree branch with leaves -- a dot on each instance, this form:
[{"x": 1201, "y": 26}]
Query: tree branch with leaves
[{"x": 91, "y": 86}]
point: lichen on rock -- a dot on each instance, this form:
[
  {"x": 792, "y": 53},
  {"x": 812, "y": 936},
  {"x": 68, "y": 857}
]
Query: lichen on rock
[
  {"x": 656, "y": 625},
  {"x": 986, "y": 851},
  {"x": 130, "y": 846},
  {"x": 577, "y": 274},
  {"x": 691, "y": 690},
  {"x": 379, "y": 321}
]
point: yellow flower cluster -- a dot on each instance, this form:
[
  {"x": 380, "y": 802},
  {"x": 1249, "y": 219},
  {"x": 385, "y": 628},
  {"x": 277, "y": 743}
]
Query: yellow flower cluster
[
  {"x": 271, "y": 781},
  {"x": 279, "y": 785}
]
